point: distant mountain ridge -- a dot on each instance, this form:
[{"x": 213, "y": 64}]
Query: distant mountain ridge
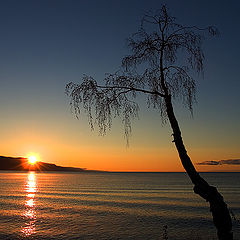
[{"x": 21, "y": 164}]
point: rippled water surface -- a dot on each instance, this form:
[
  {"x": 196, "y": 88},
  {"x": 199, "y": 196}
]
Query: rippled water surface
[{"x": 110, "y": 205}]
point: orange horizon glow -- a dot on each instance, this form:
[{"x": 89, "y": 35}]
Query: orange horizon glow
[
  {"x": 32, "y": 159},
  {"x": 101, "y": 155},
  {"x": 148, "y": 150}
]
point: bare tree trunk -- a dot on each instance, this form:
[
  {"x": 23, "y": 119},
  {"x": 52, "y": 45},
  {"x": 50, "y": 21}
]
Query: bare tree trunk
[{"x": 221, "y": 216}]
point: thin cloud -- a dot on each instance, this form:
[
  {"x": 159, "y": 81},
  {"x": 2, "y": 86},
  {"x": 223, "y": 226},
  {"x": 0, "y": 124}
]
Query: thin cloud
[{"x": 221, "y": 162}]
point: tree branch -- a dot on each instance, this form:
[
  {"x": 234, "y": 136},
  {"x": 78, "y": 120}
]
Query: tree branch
[{"x": 132, "y": 89}]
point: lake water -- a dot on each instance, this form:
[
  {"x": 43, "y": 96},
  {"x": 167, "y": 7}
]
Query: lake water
[{"x": 110, "y": 205}]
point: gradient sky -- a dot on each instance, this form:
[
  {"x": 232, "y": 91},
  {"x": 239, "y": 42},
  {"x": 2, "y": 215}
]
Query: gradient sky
[{"x": 45, "y": 44}]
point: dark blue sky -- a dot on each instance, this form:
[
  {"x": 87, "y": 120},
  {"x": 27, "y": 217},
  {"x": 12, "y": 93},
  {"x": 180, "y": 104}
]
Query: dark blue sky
[{"x": 46, "y": 44}]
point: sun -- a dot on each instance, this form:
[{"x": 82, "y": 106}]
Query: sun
[{"x": 32, "y": 159}]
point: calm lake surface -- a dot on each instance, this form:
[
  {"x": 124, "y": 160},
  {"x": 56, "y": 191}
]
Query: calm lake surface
[{"x": 110, "y": 205}]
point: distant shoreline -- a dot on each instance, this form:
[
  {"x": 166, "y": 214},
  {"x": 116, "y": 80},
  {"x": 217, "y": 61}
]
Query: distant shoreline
[
  {"x": 99, "y": 171},
  {"x": 21, "y": 164}
]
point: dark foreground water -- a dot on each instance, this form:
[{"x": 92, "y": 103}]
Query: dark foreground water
[{"x": 109, "y": 205}]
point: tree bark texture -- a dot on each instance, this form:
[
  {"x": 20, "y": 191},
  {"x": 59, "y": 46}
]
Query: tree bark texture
[{"x": 220, "y": 213}]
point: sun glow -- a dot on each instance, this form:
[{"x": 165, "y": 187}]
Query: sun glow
[{"x": 32, "y": 159}]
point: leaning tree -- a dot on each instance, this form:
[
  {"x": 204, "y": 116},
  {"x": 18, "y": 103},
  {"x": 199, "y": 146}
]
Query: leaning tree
[{"x": 164, "y": 56}]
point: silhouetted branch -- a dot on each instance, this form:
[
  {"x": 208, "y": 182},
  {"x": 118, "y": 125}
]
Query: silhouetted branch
[{"x": 131, "y": 89}]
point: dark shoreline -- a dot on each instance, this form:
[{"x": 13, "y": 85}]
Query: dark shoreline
[{"x": 21, "y": 164}]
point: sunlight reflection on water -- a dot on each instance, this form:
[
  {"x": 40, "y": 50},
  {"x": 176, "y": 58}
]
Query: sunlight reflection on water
[
  {"x": 29, "y": 213},
  {"x": 124, "y": 206}
]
